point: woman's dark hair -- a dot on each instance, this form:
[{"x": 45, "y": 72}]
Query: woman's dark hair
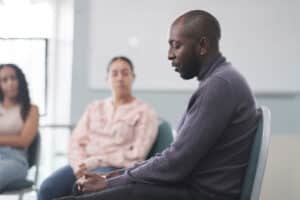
[
  {"x": 123, "y": 58},
  {"x": 23, "y": 97}
]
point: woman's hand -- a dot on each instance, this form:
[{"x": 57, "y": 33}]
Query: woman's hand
[{"x": 81, "y": 171}]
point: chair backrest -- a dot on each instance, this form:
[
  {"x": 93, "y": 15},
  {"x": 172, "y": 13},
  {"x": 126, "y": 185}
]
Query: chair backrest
[
  {"x": 33, "y": 151},
  {"x": 258, "y": 157},
  {"x": 163, "y": 139}
]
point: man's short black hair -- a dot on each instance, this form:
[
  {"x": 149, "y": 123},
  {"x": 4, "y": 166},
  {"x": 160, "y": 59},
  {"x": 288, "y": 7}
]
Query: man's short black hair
[{"x": 199, "y": 23}]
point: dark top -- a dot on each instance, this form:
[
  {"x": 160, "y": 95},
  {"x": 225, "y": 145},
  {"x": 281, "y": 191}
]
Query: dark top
[{"x": 211, "y": 151}]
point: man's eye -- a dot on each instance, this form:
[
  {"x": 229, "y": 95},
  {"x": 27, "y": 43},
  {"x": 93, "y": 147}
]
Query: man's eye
[{"x": 176, "y": 45}]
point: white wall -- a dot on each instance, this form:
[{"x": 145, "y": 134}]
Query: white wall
[
  {"x": 259, "y": 37},
  {"x": 282, "y": 177}
]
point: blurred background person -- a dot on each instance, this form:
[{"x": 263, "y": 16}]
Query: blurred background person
[
  {"x": 19, "y": 121},
  {"x": 113, "y": 133}
]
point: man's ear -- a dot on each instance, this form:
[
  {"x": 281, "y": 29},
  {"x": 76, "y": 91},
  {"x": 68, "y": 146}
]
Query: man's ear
[{"x": 203, "y": 45}]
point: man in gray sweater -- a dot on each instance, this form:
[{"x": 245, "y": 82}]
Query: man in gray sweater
[{"x": 208, "y": 159}]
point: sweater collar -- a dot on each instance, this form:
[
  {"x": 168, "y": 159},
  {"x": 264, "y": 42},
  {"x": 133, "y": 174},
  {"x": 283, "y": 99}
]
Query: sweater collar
[{"x": 207, "y": 69}]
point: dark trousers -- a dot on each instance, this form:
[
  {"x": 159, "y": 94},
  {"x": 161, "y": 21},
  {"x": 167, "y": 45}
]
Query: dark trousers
[
  {"x": 61, "y": 182},
  {"x": 141, "y": 192}
]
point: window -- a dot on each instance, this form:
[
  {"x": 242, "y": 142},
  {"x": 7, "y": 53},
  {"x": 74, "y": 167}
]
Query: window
[{"x": 30, "y": 54}]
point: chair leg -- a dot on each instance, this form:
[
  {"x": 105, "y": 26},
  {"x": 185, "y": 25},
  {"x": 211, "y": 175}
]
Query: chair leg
[{"x": 21, "y": 196}]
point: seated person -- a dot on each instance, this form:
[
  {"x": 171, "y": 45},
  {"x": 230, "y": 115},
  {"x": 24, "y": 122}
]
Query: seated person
[
  {"x": 209, "y": 157},
  {"x": 113, "y": 133},
  {"x": 18, "y": 124}
]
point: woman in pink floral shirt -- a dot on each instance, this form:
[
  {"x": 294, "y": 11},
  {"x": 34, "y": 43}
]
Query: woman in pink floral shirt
[{"x": 113, "y": 133}]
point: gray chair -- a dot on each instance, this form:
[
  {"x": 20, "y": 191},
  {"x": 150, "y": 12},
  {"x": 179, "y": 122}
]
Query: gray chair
[
  {"x": 22, "y": 187},
  {"x": 258, "y": 157}
]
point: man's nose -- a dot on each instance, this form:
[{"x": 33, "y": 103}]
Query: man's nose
[{"x": 171, "y": 55}]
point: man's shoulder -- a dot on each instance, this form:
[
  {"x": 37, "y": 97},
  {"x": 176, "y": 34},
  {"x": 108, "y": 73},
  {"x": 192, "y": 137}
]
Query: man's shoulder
[
  {"x": 230, "y": 75},
  {"x": 227, "y": 72},
  {"x": 227, "y": 78}
]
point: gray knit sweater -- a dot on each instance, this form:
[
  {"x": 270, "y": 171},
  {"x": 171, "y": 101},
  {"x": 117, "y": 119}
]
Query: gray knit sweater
[{"x": 211, "y": 150}]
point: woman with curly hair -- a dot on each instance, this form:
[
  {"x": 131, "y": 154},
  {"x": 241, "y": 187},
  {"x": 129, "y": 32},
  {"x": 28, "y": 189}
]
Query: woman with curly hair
[{"x": 18, "y": 124}]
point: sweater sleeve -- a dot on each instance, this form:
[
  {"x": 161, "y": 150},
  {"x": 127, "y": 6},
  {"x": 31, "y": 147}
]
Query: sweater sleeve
[{"x": 207, "y": 117}]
